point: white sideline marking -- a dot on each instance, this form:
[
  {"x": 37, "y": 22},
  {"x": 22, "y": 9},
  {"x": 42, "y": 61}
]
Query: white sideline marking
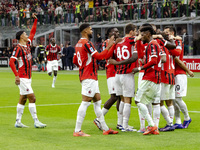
[{"x": 63, "y": 104}]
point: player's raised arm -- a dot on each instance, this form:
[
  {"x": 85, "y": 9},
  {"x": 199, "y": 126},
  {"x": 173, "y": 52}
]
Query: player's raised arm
[{"x": 33, "y": 29}]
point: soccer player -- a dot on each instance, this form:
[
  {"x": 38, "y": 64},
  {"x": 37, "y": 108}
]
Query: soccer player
[
  {"x": 41, "y": 57},
  {"x": 180, "y": 86},
  {"x": 52, "y": 59},
  {"x": 110, "y": 74},
  {"x": 168, "y": 87},
  {"x": 149, "y": 88},
  {"x": 125, "y": 84},
  {"x": 85, "y": 58},
  {"x": 22, "y": 54}
]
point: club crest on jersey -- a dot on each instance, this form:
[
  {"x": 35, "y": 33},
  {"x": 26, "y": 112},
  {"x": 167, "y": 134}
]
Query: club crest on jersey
[{"x": 91, "y": 49}]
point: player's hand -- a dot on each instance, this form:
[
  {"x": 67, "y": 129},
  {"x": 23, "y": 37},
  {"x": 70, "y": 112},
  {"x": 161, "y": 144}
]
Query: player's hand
[
  {"x": 118, "y": 40},
  {"x": 178, "y": 38},
  {"x": 171, "y": 37},
  {"x": 111, "y": 42},
  {"x": 139, "y": 37},
  {"x": 34, "y": 16},
  {"x": 158, "y": 36},
  {"x": 17, "y": 80},
  {"x": 135, "y": 70},
  {"x": 191, "y": 74},
  {"x": 112, "y": 61},
  {"x": 141, "y": 61}
]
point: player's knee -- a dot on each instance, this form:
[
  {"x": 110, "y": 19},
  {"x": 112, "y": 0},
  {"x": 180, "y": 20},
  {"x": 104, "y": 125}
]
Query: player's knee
[
  {"x": 169, "y": 103},
  {"x": 55, "y": 73},
  {"x": 49, "y": 73}
]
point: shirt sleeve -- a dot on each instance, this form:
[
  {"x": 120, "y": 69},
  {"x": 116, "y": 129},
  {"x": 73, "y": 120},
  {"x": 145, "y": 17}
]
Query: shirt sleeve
[
  {"x": 154, "y": 50},
  {"x": 90, "y": 48},
  {"x": 16, "y": 52}
]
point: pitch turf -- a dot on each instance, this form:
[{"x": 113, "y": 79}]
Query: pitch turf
[{"x": 58, "y": 107}]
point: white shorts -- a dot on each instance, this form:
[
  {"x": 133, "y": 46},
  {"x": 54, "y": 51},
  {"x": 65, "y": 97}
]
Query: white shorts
[
  {"x": 181, "y": 85},
  {"x": 167, "y": 92},
  {"x": 52, "y": 65},
  {"x": 90, "y": 87},
  {"x": 148, "y": 92},
  {"x": 140, "y": 76},
  {"x": 125, "y": 85},
  {"x": 25, "y": 86},
  {"x": 111, "y": 85}
]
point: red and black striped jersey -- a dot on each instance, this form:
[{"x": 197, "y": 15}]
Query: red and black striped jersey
[
  {"x": 179, "y": 45},
  {"x": 154, "y": 72},
  {"x": 110, "y": 69},
  {"x": 52, "y": 52},
  {"x": 22, "y": 53},
  {"x": 83, "y": 56},
  {"x": 168, "y": 68},
  {"x": 124, "y": 50},
  {"x": 161, "y": 42}
]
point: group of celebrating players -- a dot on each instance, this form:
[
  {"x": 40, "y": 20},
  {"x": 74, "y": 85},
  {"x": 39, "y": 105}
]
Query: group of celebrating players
[{"x": 156, "y": 55}]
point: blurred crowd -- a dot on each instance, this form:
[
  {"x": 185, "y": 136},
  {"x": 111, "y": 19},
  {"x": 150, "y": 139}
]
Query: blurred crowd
[{"x": 18, "y": 12}]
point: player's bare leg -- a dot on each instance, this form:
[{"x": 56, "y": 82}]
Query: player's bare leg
[
  {"x": 113, "y": 98},
  {"x": 32, "y": 109}
]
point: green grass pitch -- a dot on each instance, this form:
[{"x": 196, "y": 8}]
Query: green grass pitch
[{"x": 58, "y": 108}]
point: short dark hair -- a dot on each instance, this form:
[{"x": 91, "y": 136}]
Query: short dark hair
[
  {"x": 171, "y": 29},
  {"x": 83, "y": 26},
  {"x": 18, "y": 34},
  {"x": 147, "y": 28},
  {"x": 129, "y": 27},
  {"x": 109, "y": 30}
]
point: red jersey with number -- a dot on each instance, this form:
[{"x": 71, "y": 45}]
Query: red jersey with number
[
  {"x": 168, "y": 68},
  {"x": 124, "y": 50},
  {"x": 154, "y": 72},
  {"x": 87, "y": 64},
  {"x": 52, "y": 52},
  {"x": 110, "y": 69},
  {"x": 179, "y": 45}
]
